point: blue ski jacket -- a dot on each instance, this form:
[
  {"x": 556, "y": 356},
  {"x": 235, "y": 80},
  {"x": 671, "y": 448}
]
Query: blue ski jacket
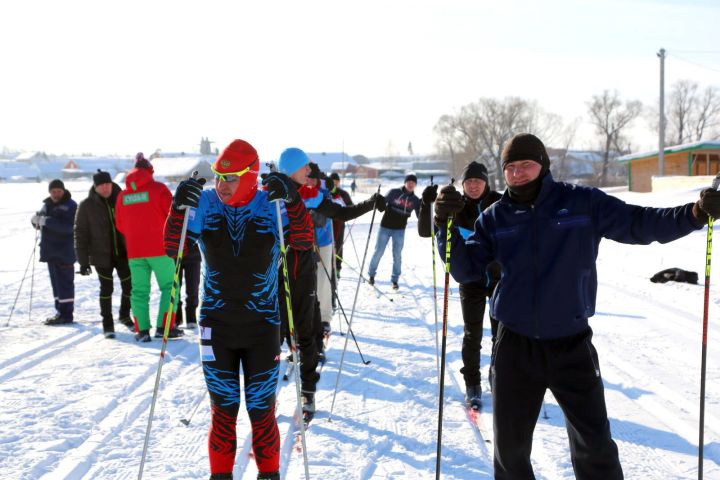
[{"x": 547, "y": 252}]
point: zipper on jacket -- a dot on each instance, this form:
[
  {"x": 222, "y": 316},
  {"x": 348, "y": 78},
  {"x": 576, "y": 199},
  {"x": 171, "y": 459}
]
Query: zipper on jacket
[
  {"x": 536, "y": 269},
  {"x": 112, "y": 226}
]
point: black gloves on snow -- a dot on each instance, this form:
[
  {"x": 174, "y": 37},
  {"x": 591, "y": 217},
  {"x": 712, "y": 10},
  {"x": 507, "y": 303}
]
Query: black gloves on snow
[
  {"x": 85, "y": 270},
  {"x": 429, "y": 194},
  {"x": 379, "y": 200},
  {"x": 280, "y": 187},
  {"x": 187, "y": 194},
  {"x": 448, "y": 202},
  {"x": 707, "y": 206}
]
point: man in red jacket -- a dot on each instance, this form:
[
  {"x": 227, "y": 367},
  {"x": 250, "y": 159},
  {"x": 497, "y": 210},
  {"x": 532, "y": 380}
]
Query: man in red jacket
[{"x": 140, "y": 215}]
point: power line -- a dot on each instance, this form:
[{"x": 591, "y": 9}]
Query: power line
[{"x": 694, "y": 63}]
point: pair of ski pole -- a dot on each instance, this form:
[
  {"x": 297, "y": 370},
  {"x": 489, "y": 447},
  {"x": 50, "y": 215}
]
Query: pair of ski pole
[{"x": 31, "y": 261}]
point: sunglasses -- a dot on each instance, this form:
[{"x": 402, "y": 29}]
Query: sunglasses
[{"x": 230, "y": 177}]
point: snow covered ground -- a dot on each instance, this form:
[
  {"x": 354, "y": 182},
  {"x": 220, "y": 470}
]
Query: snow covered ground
[{"x": 75, "y": 405}]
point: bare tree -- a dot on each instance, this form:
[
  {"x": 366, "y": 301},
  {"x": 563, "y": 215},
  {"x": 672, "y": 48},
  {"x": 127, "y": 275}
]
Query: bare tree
[
  {"x": 707, "y": 116},
  {"x": 610, "y": 117},
  {"x": 561, "y": 171},
  {"x": 480, "y": 130},
  {"x": 681, "y": 105}
]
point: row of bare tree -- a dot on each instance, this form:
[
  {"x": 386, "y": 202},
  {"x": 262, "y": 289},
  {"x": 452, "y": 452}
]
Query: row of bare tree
[{"x": 479, "y": 129}]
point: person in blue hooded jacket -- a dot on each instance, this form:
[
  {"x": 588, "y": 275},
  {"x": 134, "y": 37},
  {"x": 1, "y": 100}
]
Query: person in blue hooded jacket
[
  {"x": 545, "y": 235},
  {"x": 55, "y": 221}
]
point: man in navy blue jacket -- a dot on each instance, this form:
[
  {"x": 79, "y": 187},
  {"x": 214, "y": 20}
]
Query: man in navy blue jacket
[
  {"x": 55, "y": 220},
  {"x": 545, "y": 235}
]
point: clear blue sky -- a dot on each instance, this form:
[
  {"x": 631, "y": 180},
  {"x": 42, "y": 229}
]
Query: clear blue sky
[{"x": 369, "y": 76}]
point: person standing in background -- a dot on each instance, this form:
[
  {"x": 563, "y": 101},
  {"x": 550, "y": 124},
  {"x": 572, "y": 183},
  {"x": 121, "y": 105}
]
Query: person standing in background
[
  {"x": 341, "y": 197},
  {"x": 477, "y": 196},
  {"x": 55, "y": 222},
  {"x": 98, "y": 243},
  {"x": 140, "y": 214},
  {"x": 190, "y": 269},
  {"x": 401, "y": 202}
]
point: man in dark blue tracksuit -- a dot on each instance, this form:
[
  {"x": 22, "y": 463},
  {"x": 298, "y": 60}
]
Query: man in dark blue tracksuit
[
  {"x": 545, "y": 235},
  {"x": 55, "y": 221}
]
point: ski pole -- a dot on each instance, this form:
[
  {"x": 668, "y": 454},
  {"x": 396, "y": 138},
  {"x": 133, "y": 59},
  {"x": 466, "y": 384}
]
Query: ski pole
[
  {"x": 186, "y": 421},
  {"x": 703, "y": 367},
  {"x": 32, "y": 275},
  {"x": 365, "y": 279},
  {"x": 448, "y": 237},
  {"x": 342, "y": 310},
  {"x": 168, "y": 320},
  {"x": 352, "y": 241},
  {"x": 32, "y": 255},
  {"x": 352, "y": 312},
  {"x": 293, "y": 340},
  {"x": 432, "y": 246},
  {"x": 334, "y": 279}
]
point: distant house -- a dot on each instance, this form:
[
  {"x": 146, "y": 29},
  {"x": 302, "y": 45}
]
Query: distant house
[
  {"x": 32, "y": 157},
  {"x": 86, "y": 167},
  {"x": 689, "y": 159},
  {"x": 178, "y": 167},
  {"x": 339, "y": 162},
  {"x": 13, "y": 171}
]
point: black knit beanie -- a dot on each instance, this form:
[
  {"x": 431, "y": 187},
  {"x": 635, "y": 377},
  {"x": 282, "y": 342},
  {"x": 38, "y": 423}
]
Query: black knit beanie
[
  {"x": 526, "y": 146},
  {"x": 101, "y": 177},
  {"x": 410, "y": 177},
  {"x": 57, "y": 183},
  {"x": 475, "y": 170}
]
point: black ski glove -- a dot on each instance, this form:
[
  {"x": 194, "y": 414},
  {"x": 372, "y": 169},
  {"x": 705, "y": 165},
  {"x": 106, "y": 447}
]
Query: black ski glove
[
  {"x": 448, "y": 202},
  {"x": 85, "y": 270},
  {"x": 429, "y": 194},
  {"x": 187, "y": 193},
  {"x": 329, "y": 184},
  {"x": 380, "y": 202},
  {"x": 707, "y": 206},
  {"x": 280, "y": 187}
]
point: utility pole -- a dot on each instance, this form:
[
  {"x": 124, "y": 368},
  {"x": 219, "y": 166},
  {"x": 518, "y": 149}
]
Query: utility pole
[{"x": 661, "y": 136}]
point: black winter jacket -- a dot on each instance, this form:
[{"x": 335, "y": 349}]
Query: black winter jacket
[
  {"x": 465, "y": 223},
  {"x": 97, "y": 241},
  {"x": 400, "y": 205}
]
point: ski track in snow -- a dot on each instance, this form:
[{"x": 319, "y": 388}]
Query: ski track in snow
[{"x": 75, "y": 406}]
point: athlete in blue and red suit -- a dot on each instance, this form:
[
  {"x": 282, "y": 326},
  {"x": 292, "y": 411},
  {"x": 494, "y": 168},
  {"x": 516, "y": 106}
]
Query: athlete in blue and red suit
[{"x": 235, "y": 225}]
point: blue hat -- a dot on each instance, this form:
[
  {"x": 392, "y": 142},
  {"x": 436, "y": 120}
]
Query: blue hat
[{"x": 291, "y": 160}]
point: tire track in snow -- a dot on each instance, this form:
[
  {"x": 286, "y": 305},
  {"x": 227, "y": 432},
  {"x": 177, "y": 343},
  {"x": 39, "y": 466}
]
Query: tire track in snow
[{"x": 114, "y": 417}]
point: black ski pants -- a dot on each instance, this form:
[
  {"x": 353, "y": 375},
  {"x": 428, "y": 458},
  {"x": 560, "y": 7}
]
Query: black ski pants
[
  {"x": 191, "y": 271},
  {"x": 305, "y": 312},
  {"x": 473, "y": 298},
  {"x": 523, "y": 369},
  {"x": 105, "y": 275}
]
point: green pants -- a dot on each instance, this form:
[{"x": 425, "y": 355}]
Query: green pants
[{"x": 140, "y": 270}]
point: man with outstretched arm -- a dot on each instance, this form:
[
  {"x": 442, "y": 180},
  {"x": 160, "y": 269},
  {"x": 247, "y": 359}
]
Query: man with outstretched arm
[{"x": 545, "y": 235}]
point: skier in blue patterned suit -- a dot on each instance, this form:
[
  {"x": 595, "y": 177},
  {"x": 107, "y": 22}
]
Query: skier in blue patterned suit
[{"x": 235, "y": 225}]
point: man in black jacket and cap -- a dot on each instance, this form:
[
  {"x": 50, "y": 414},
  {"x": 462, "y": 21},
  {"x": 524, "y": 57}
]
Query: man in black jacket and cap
[
  {"x": 477, "y": 196},
  {"x": 98, "y": 243}
]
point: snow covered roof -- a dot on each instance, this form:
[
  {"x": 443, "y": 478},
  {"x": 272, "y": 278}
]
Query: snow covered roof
[
  {"x": 325, "y": 160},
  {"x": 685, "y": 147},
  {"x": 182, "y": 166}
]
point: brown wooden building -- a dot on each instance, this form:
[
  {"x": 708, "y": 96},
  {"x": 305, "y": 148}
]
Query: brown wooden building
[{"x": 690, "y": 159}]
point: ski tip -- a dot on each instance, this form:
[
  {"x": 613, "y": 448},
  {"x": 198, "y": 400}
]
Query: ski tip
[{"x": 185, "y": 422}]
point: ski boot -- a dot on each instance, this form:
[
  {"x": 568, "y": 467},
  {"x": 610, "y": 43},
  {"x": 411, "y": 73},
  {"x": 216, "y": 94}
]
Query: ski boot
[
  {"x": 308, "y": 406},
  {"x": 473, "y": 394},
  {"x": 143, "y": 336}
]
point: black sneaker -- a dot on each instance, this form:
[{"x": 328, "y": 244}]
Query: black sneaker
[
  {"x": 143, "y": 336},
  {"x": 371, "y": 280},
  {"x": 109, "y": 335},
  {"x": 395, "y": 285},
  {"x": 127, "y": 322},
  {"x": 173, "y": 334},
  {"x": 58, "y": 320},
  {"x": 473, "y": 395}
]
